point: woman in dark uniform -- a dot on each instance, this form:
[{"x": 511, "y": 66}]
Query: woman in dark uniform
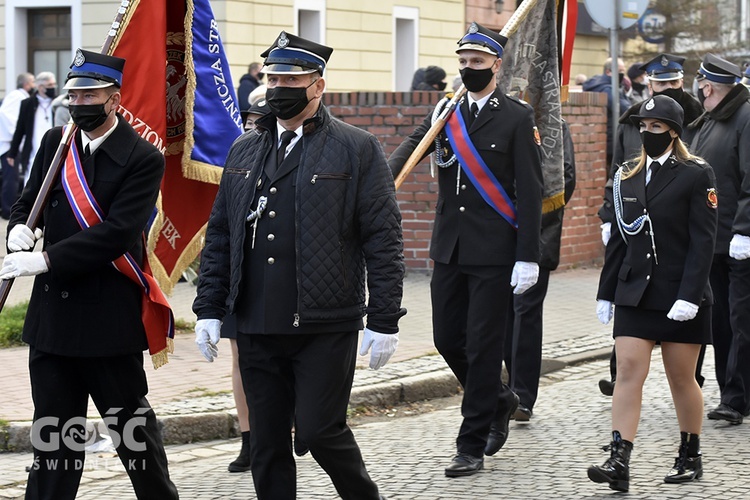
[{"x": 655, "y": 281}]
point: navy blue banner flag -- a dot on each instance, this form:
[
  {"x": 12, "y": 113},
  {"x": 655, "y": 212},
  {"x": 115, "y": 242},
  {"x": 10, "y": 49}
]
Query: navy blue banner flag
[{"x": 194, "y": 121}]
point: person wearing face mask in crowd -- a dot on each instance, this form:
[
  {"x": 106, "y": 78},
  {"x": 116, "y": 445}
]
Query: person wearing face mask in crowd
[
  {"x": 655, "y": 283},
  {"x": 485, "y": 243},
  {"x": 639, "y": 91},
  {"x": 88, "y": 319},
  {"x": 434, "y": 77},
  {"x": 603, "y": 83},
  {"x": 665, "y": 77},
  {"x": 306, "y": 211},
  {"x": 724, "y": 141},
  {"x": 9, "y": 110},
  {"x": 35, "y": 117}
]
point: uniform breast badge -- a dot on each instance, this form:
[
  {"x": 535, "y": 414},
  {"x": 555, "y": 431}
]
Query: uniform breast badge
[{"x": 711, "y": 199}]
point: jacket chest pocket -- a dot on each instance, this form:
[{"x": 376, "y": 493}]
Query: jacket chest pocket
[{"x": 489, "y": 145}]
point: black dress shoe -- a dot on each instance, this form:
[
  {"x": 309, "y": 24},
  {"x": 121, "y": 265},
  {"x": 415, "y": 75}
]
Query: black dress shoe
[
  {"x": 607, "y": 386},
  {"x": 464, "y": 464},
  {"x": 522, "y": 414},
  {"x": 725, "y": 412},
  {"x": 500, "y": 427}
]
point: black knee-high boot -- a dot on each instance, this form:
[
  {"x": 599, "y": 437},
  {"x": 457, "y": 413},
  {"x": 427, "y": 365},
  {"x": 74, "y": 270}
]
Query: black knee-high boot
[
  {"x": 616, "y": 470},
  {"x": 242, "y": 463},
  {"x": 688, "y": 465}
]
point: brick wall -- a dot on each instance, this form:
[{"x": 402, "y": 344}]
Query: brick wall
[{"x": 391, "y": 116}]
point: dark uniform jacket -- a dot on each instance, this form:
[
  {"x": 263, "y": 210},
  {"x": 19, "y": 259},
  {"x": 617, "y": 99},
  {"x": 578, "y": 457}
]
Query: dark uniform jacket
[
  {"x": 628, "y": 144},
  {"x": 346, "y": 220},
  {"x": 724, "y": 142},
  {"x": 24, "y": 128},
  {"x": 503, "y": 134},
  {"x": 679, "y": 203},
  {"x": 82, "y": 306}
]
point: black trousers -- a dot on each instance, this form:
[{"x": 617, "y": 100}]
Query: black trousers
[
  {"x": 730, "y": 283},
  {"x": 60, "y": 388},
  {"x": 469, "y": 309},
  {"x": 11, "y": 187},
  {"x": 305, "y": 380},
  {"x": 523, "y": 342}
]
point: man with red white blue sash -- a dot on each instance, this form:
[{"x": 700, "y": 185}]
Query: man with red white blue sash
[
  {"x": 94, "y": 307},
  {"x": 485, "y": 242}
]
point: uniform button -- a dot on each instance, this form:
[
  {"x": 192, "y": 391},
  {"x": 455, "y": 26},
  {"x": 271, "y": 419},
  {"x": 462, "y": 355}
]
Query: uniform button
[
  {"x": 271, "y": 260},
  {"x": 645, "y": 211},
  {"x": 271, "y": 237},
  {"x": 54, "y": 203},
  {"x": 648, "y": 255},
  {"x": 463, "y": 187},
  {"x": 462, "y": 209},
  {"x": 648, "y": 277},
  {"x": 492, "y": 145},
  {"x": 272, "y": 190},
  {"x": 64, "y": 295},
  {"x": 271, "y": 214},
  {"x": 46, "y": 288}
]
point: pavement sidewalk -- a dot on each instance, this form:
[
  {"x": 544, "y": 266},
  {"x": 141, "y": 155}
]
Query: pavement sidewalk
[{"x": 193, "y": 398}]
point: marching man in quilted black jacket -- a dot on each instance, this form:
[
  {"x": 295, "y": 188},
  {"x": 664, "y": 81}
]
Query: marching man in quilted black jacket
[{"x": 304, "y": 209}]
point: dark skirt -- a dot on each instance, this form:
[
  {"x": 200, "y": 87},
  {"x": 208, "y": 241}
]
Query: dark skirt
[{"x": 654, "y": 325}]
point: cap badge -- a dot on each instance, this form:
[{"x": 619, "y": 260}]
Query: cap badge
[
  {"x": 664, "y": 61},
  {"x": 473, "y": 28},
  {"x": 261, "y": 103},
  {"x": 650, "y": 105},
  {"x": 80, "y": 59},
  {"x": 283, "y": 40}
]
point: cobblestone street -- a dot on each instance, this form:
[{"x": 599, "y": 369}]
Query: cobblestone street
[{"x": 545, "y": 458}]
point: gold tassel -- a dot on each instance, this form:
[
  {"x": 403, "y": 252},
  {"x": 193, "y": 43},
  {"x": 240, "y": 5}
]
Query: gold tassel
[
  {"x": 553, "y": 203},
  {"x": 161, "y": 358}
]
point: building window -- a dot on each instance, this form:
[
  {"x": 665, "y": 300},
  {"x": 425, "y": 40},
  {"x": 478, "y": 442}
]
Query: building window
[
  {"x": 405, "y": 46},
  {"x": 49, "y": 41},
  {"x": 311, "y": 19}
]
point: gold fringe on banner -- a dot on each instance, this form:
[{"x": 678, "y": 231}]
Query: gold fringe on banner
[
  {"x": 554, "y": 202},
  {"x": 161, "y": 358}
]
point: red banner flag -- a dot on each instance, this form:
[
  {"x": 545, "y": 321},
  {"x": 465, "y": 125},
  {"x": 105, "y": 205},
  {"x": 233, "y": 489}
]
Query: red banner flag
[{"x": 176, "y": 72}]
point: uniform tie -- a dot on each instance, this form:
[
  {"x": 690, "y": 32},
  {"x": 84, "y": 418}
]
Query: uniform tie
[
  {"x": 86, "y": 151},
  {"x": 286, "y": 138},
  {"x": 473, "y": 112},
  {"x": 654, "y": 167}
]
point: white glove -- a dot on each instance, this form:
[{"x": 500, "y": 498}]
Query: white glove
[
  {"x": 383, "y": 346},
  {"x": 682, "y": 310},
  {"x": 524, "y": 276},
  {"x": 21, "y": 237},
  {"x": 739, "y": 247},
  {"x": 23, "y": 264},
  {"x": 207, "y": 335},
  {"x": 606, "y": 232},
  {"x": 605, "y": 310}
]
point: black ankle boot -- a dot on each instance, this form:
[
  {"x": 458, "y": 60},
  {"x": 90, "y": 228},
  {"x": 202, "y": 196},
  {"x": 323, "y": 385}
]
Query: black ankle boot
[
  {"x": 688, "y": 465},
  {"x": 242, "y": 463},
  {"x": 616, "y": 470}
]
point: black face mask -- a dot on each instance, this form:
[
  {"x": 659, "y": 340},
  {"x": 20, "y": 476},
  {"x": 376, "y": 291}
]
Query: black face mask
[
  {"x": 51, "y": 92},
  {"x": 287, "y": 102},
  {"x": 638, "y": 87},
  {"x": 88, "y": 117},
  {"x": 441, "y": 85},
  {"x": 620, "y": 77},
  {"x": 655, "y": 144},
  {"x": 476, "y": 80},
  {"x": 675, "y": 94},
  {"x": 701, "y": 96}
]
